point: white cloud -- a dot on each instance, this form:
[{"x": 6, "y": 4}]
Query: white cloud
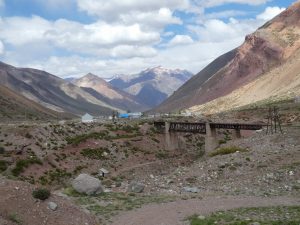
[
  {"x": 212, "y": 3},
  {"x": 98, "y": 38},
  {"x": 270, "y": 13},
  {"x": 1, "y": 48},
  {"x": 153, "y": 19},
  {"x": 219, "y": 31},
  {"x": 128, "y": 51},
  {"x": 225, "y": 14},
  {"x": 113, "y": 9},
  {"x": 180, "y": 40}
]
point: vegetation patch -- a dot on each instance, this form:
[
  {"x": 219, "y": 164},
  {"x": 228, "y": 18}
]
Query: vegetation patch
[
  {"x": 227, "y": 150},
  {"x": 247, "y": 216},
  {"x": 82, "y": 138},
  {"x": 2, "y": 150},
  {"x": 24, "y": 163},
  {"x": 54, "y": 176},
  {"x": 3, "y": 165},
  {"x": 41, "y": 194},
  {"x": 94, "y": 153},
  {"x": 15, "y": 218}
]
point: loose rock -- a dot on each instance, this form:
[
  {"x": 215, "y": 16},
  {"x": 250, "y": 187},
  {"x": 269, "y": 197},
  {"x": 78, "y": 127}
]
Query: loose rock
[
  {"x": 136, "y": 187},
  {"x": 52, "y": 206}
]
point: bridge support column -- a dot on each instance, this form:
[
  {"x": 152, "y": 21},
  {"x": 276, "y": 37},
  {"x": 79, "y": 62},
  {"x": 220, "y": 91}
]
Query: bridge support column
[
  {"x": 210, "y": 138},
  {"x": 168, "y": 137},
  {"x": 237, "y": 133}
]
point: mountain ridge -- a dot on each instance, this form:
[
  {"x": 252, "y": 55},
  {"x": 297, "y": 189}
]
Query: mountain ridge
[{"x": 265, "y": 49}]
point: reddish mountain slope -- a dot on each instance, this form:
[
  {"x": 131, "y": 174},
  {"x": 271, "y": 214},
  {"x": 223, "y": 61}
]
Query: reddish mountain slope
[{"x": 269, "y": 47}]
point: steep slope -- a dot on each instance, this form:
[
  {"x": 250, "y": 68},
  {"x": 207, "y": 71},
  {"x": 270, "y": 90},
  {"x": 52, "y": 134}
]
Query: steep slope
[
  {"x": 104, "y": 91},
  {"x": 17, "y": 107},
  {"x": 281, "y": 83},
  {"x": 153, "y": 85},
  {"x": 50, "y": 91},
  {"x": 269, "y": 47}
]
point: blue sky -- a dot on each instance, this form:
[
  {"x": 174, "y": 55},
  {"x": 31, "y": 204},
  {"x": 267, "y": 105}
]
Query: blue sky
[{"x": 73, "y": 37}]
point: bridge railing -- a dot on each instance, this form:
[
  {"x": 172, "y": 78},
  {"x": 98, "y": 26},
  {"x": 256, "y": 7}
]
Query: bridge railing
[{"x": 236, "y": 126}]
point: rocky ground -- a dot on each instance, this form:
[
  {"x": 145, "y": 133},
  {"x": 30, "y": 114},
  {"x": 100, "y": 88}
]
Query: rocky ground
[{"x": 146, "y": 176}]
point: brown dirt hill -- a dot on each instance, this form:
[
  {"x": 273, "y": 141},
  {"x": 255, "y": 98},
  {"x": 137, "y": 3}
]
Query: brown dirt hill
[
  {"x": 270, "y": 46},
  {"x": 18, "y": 107}
]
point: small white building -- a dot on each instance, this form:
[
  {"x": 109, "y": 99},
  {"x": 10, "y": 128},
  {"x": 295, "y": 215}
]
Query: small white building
[{"x": 87, "y": 118}]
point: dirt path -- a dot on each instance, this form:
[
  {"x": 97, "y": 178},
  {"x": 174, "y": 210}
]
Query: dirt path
[{"x": 175, "y": 212}]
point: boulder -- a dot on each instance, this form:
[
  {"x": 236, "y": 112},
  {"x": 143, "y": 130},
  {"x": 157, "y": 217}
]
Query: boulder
[
  {"x": 136, "y": 187},
  {"x": 87, "y": 184}
]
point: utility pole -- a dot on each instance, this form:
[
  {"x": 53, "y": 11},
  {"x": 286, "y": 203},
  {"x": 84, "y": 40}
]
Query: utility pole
[{"x": 273, "y": 121}]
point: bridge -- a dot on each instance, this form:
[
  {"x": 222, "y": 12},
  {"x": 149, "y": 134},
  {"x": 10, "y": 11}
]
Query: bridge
[
  {"x": 202, "y": 127},
  {"x": 209, "y": 129}
]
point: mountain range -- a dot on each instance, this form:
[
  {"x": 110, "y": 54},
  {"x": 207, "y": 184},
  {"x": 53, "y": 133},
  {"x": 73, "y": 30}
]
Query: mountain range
[
  {"x": 153, "y": 85},
  {"x": 103, "y": 90},
  {"x": 266, "y": 65},
  {"x": 50, "y": 96}
]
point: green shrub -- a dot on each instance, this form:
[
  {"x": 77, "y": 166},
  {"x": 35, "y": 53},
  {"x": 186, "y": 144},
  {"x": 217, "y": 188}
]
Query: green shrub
[
  {"x": 226, "y": 151},
  {"x": 41, "y": 194},
  {"x": 3, "y": 165},
  {"x": 94, "y": 153},
  {"x": 28, "y": 135},
  {"x": 15, "y": 218},
  {"x": 222, "y": 142},
  {"x": 82, "y": 138},
  {"x": 2, "y": 150}
]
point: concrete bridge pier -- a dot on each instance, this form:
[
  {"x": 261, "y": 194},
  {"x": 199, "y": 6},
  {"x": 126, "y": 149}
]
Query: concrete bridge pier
[
  {"x": 237, "y": 134},
  {"x": 211, "y": 142}
]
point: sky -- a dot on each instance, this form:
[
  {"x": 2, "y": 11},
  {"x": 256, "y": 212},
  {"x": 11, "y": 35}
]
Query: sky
[{"x": 70, "y": 38}]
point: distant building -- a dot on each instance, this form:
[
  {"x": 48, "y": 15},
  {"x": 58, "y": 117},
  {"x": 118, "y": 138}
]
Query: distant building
[
  {"x": 87, "y": 118},
  {"x": 124, "y": 115},
  {"x": 135, "y": 115}
]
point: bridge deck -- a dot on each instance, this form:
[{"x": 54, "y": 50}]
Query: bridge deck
[
  {"x": 201, "y": 127},
  {"x": 188, "y": 127}
]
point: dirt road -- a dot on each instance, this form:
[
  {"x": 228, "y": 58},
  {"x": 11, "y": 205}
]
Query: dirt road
[{"x": 174, "y": 213}]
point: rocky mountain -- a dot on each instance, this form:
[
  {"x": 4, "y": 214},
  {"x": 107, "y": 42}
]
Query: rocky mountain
[
  {"x": 270, "y": 49},
  {"x": 51, "y": 92},
  {"x": 104, "y": 91},
  {"x": 153, "y": 85}
]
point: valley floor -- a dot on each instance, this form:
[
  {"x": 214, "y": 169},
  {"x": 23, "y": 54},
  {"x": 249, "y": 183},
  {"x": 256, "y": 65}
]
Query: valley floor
[{"x": 258, "y": 170}]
